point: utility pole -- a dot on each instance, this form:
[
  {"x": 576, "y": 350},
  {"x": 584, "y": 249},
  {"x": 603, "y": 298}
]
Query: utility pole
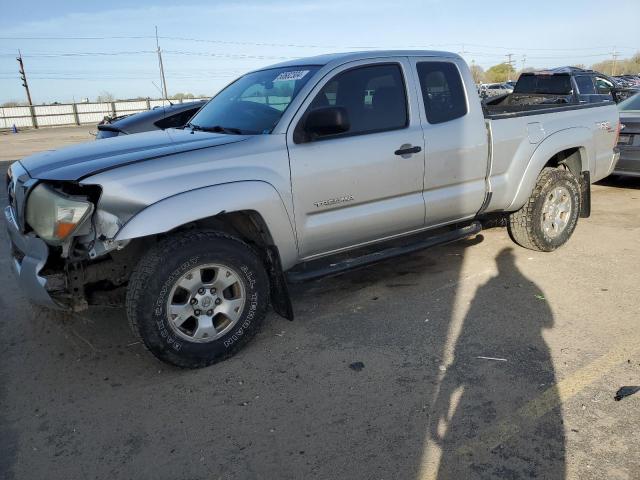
[
  {"x": 510, "y": 62},
  {"x": 614, "y": 56},
  {"x": 25, "y": 84},
  {"x": 164, "y": 81},
  {"x": 524, "y": 61},
  {"x": 23, "y": 77}
]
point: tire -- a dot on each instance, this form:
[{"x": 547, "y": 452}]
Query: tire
[
  {"x": 166, "y": 281},
  {"x": 533, "y": 225}
]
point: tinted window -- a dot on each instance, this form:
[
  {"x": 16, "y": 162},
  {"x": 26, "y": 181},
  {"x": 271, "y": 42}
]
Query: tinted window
[
  {"x": 373, "y": 96},
  {"x": 177, "y": 120},
  {"x": 603, "y": 86},
  {"x": 544, "y": 84},
  {"x": 442, "y": 91},
  {"x": 254, "y": 103},
  {"x": 585, "y": 85}
]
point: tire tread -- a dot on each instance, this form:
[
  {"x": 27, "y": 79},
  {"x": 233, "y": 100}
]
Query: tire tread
[
  {"x": 521, "y": 222},
  {"x": 145, "y": 270}
]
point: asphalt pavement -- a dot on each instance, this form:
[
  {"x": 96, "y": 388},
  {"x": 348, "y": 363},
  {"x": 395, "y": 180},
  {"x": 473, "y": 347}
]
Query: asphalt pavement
[{"x": 475, "y": 360}]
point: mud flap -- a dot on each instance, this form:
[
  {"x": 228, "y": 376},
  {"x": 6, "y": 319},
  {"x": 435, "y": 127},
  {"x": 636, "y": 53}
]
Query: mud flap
[
  {"x": 280, "y": 299},
  {"x": 585, "y": 195}
]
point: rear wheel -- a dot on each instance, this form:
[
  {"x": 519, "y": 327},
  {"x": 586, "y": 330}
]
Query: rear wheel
[
  {"x": 550, "y": 215},
  {"x": 196, "y": 298}
]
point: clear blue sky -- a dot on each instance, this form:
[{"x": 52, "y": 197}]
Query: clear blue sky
[{"x": 243, "y": 35}]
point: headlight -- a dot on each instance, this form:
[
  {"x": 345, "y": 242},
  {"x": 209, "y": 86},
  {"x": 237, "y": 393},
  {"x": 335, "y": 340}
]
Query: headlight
[{"x": 55, "y": 216}]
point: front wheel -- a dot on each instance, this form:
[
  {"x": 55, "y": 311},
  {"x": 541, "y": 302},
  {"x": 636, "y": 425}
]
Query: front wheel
[
  {"x": 550, "y": 215},
  {"x": 197, "y": 297}
]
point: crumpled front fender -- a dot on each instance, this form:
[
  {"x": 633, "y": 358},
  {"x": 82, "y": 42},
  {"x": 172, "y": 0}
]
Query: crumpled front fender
[{"x": 258, "y": 196}]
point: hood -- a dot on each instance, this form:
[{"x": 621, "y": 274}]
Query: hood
[{"x": 79, "y": 161}]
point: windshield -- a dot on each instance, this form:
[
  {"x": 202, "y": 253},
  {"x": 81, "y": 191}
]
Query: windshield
[
  {"x": 254, "y": 103},
  {"x": 631, "y": 103},
  {"x": 544, "y": 84}
]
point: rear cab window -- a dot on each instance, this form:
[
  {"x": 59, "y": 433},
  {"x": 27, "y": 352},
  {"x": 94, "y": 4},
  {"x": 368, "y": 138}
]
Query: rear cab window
[
  {"x": 544, "y": 84},
  {"x": 442, "y": 91}
]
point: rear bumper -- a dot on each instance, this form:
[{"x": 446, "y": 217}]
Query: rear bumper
[
  {"x": 629, "y": 162},
  {"x": 29, "y": 254}
]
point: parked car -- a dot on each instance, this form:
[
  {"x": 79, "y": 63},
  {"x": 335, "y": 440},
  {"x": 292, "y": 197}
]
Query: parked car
[
  {"x": 493, "y": 89},
  {"x": 629, "y": 140},
  {"x": 285, "y": 175},
  {"x": 628, "y": 80},
  {"x": 567, "y": 85},
  {"x": 576, "y": 85},
  {"x": 158, "y": 118}
]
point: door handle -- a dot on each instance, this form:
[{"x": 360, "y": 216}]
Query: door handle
[{"x": 407, "y": 149}]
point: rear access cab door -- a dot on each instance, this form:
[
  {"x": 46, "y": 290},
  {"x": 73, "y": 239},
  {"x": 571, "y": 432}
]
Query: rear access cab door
[
  {"x": 456, "y": 140},
  {"x": 352, "y": 188}
]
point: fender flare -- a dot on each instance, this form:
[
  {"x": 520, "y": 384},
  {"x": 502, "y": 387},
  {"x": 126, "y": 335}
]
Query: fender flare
[
  {"x": 186, "y": 207},
  {"x": 576, "y": 137}
]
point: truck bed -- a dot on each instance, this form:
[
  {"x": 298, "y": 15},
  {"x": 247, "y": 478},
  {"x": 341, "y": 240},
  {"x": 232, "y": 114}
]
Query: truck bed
[
  {"x": 520, "y": 134},
  {"x": 507, "y": 106}
]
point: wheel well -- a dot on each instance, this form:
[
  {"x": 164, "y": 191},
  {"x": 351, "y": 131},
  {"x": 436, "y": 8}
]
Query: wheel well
[
  {"x": 251, "y": 228},
  {"x": 246, "y": 224},
  {"x": 571, "y": 159},
  {"x": 114, "y": 271}
]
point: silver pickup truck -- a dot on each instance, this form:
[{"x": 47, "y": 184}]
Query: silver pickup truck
[{"x": 295, "y": 171}]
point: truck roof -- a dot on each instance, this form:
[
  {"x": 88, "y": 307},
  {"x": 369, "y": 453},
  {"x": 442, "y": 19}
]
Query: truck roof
[{"x": 339, "y": 58}]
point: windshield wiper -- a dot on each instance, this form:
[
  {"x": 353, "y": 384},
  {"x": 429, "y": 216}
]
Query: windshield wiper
[{"x": 215, "y": 129}]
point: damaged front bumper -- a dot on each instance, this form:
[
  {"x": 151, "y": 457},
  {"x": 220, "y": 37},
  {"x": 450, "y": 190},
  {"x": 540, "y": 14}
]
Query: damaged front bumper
[{"x": 28, "y": 255}]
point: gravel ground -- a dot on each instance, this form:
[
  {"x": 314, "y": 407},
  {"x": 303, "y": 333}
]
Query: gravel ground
[{"x": 475, "y": 360}]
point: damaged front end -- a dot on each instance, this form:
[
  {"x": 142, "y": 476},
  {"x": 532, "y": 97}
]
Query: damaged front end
[{"x": 61, "y": 243}]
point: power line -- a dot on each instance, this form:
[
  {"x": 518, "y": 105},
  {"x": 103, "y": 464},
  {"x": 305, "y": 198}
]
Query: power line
[
  {"x": 82, "y": 54},
  {"x": 262, "y": 57},
  {"x": 148, "y": 52},
  {"x": 297, "y": 45}
]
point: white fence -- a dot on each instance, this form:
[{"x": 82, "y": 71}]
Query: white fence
[{"x": 74, "y": 113}]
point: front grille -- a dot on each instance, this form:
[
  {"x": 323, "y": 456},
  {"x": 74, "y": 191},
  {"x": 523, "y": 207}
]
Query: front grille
[{"x": 18, "y": 185}]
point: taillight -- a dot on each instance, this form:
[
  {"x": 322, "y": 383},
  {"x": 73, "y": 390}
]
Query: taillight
[{"x": 617, "y": 133}]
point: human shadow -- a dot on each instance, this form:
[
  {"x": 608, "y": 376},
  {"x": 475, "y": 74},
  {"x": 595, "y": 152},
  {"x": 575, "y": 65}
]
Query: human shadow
[{"x": 497, "y": 412}]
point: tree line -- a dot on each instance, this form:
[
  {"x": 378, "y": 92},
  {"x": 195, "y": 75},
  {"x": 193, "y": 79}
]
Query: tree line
[{"x": 503, "y": 72}]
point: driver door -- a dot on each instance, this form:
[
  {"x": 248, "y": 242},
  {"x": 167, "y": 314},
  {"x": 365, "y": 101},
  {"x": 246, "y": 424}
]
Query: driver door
[{"x": 353, "y": 188}]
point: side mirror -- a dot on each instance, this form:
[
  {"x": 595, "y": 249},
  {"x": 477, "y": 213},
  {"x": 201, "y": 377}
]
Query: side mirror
[{"x": 326, "y": 121}]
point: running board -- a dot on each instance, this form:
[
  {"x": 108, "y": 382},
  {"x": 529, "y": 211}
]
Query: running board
[{"x": 306, "y": 271}]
